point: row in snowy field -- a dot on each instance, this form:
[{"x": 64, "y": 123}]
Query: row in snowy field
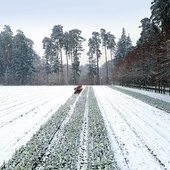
[
  {"x": 139, "y": 133},
  {"x": 23, "y": 110},
  {"x": 78, "y": 142},
  {"x": 164, "y": 97}
]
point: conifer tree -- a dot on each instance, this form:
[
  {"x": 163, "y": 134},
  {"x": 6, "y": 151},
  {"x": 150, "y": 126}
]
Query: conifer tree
[
  {"x": 6, "y": 45},
  {"x": 160, "y": 14},
  {"x": 76, "y": 46},
  {"x": 124, "y": 45},
  {"x": 92, "y": 65},
  {"x": 97, "y": 42},
  {"x": 23, "y": 57}
]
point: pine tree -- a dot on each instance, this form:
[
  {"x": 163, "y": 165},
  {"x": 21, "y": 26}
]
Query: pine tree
[
  {"x": 96, "y": 44},
  {"x": 150, "y": 32},
  {"x": 105, "y": 39},
  {"x": 48, "y": 55},
  {"x": 68, "y": 51},
  {"x": 92, "y": 64},
  {"x": 6, "y": 45},
  {"x": 76, "y": 46},
  {"x": 124, "y": 45},
  {"x": 160, "y": 12},
  {"x": 57, "y": 39},
  {"x": 23, "y": 56},
  {"x": 160, "y": 16}
]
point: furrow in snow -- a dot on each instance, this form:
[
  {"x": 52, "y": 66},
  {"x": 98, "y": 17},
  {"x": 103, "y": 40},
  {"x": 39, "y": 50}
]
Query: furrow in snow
[
  {"x": 19, "y": 112},
  {"x": 17, "y": 133},
  {"x": 156, "y": 127},
  {"x": 118, "y": 115}
]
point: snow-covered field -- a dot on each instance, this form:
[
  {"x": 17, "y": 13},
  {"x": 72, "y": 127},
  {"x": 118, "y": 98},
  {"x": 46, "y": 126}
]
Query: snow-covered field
[
  {"x": 159, "y": 96},
  {"x": 93, "y": 128},
  {"x": 22, "y": 111},
  {"x": 139, "y": 133}
]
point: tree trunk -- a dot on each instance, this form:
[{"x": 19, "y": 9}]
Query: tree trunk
[
  {"x": 67, "y": 68},
  {"x": 107, "y": 79},
  {"x": 98, "y": 77},
  {"x": 62, "y": 75}
]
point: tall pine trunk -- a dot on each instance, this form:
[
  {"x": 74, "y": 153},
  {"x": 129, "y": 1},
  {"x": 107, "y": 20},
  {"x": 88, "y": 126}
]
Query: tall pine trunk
[
  {"x": 107, "y": 81},
  {"x": 67, "y": 68},
  {"x": 98, "y": 77}
]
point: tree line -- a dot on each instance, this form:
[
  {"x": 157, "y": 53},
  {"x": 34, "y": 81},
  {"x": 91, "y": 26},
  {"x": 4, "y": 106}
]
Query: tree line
[
  {"x": 106, "y": 41},
  {"x": 16, "y": 57},
  {"x": 20, "y": 65},
  {"x": 148, "y": 63}
]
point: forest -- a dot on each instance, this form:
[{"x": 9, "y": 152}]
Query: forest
[{"x": 147, "y": 64}]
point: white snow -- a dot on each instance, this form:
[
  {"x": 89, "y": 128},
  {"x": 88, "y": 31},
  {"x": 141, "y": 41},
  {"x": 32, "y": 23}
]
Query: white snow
[
  {"x": 164, "y": 97},
  {"x": 139, "y": 133},
  {"x": 23, "y": 110}
]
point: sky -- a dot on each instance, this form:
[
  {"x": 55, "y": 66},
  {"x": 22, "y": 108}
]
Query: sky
[{"x": 37, "y": 18}]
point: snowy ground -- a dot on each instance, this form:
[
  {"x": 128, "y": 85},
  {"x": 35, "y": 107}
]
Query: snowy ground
[
  {"x": 23, "y": 110},
  {"x": 164, "y": 97},
  {"x": 138, "y": 132}
]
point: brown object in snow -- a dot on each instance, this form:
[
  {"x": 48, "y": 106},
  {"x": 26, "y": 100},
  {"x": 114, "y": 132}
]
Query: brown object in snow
[{"x": 78, "y": 89}]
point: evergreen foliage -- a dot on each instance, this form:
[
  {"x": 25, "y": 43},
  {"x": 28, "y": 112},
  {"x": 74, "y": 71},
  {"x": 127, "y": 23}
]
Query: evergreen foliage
[
  {"x": 96, "y": 42},
  {"x": 76, "y": 48},
  {"x": 150, "y": 31},
  {"x": 124, "y": 45},
  {"x": 108, "y": 42},
  {"x": 160, "y": 13},
  {"x": 16, "y": 57},
  {"x": 148, "y": 63},
  {"x": 92, "y": 65}
]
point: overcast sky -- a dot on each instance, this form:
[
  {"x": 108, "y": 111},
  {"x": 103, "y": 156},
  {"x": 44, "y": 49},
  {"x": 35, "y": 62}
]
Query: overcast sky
[{"x": 36, "y": 18}]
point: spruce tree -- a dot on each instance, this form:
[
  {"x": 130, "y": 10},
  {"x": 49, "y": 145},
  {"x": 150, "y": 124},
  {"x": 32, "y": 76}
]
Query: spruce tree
[{"x": 124, "y": 45}]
